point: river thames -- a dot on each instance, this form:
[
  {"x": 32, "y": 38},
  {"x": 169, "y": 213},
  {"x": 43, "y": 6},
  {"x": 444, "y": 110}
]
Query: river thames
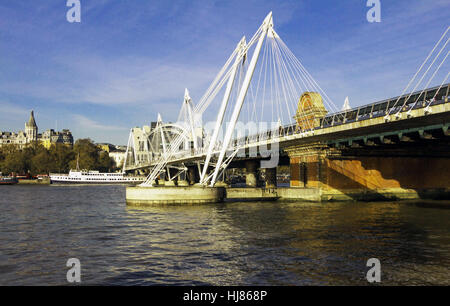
[{"x": 265, "y": 243}]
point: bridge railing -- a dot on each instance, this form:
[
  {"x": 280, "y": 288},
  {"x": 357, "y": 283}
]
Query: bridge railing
[
  {"x": 413, "y": 101},
  {"x": 416, "y": 100}
]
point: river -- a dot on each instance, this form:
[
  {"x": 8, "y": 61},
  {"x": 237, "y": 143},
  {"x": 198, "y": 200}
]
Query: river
[{"x": 251, "y": 243}]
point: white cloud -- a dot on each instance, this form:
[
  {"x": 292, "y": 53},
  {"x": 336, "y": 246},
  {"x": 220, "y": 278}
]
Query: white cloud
[
  {"x": 89, "y": 124},
  {"x": 8, "y": 109},
  {"x": 12, "y": 117},
  {"x": 129, "y": 82}
]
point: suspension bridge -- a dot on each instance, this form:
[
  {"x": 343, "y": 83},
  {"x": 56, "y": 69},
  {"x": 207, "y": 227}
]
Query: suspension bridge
[{"x": 264, "y": 109}]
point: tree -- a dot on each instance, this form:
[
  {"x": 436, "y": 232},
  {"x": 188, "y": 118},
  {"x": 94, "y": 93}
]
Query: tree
[
  {"x": 14, "y": 162},
  {"x": 86, "y": 152},
  {"x": 42, "y": 163},
  {"x": 61, "y": 155},
  {"x": 36, "y": 159},
  {"x": 2, "y": 157},
  {"x": 105, "y": 163}
]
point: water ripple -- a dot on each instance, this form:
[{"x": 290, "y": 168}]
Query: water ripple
[{"x": 224, "y": 244}]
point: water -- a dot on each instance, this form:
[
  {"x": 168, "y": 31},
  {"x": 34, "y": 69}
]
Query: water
[{"x": 221, "y": 244}]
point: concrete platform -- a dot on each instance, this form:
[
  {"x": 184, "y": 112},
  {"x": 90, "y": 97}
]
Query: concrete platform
[
  {"x": 45, "y": 181},
  {"x": 326, "y": 195},
  {"x": 385, "y": 194},
  {"x": 180, "y": 195},
  {"x": 251, "y": 194},
  {"x": 150, "y": 196},
  {"x": 299, "y": 194}
]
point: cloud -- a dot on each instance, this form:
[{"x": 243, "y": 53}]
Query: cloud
[
  {"x": 12, "y": 117},
  {"x": 129, "y": 60},
  {"x": 86, "y": 123},
  {"x": 123, "y": 81},
  {"x": 136, "y": 85},
  {"x": 180, "y": 50},
  {"x": 8, "y": 109}
]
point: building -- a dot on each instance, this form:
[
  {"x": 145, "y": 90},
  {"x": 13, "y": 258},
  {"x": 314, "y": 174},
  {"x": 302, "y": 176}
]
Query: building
[
  {"x": 117, "y": 153},
  {"x": 51, "y": 136},
  {"x": 118, "y": 156},
  {"x": 107, "y": 147},
  {"x": 141, "y": 143},
  {"x": 30, "y": 134},
  {"x": 149, "y": 142},
  {"x": 31, "y": 129}
]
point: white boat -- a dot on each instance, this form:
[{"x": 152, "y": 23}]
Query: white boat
[{"x": 94, "y": 177}]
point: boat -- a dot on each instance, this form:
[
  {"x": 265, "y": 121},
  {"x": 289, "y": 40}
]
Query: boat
[
  {"x": 94, "y": 177},
  {"x": 8, "y": 180},
  {"x": 283, "y": 178}
]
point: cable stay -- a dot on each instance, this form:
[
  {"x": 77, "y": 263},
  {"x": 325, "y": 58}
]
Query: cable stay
[
  {"x": 254, "y": 98},
  {"x": 397, "y": 108}
]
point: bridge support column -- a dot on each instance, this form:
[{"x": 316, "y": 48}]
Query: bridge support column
[
  {"x": 271, "y": 177},
  {"x": 173, "y": 182},
  {"x": 193, "y": 175},
  {"x": 369, "y": 174},
  {"x": 307, "y": 165},
  {"x": 250, "y": 175}
]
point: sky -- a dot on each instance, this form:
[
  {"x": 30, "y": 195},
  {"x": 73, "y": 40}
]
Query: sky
[{"x": 127, "y": 61}]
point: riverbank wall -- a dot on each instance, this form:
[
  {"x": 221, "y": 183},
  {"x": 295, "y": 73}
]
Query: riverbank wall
[
  {"x": 43, "y": 181},
  {"x": 318, "y": 195},
  {"x": 147, "y": 196}
]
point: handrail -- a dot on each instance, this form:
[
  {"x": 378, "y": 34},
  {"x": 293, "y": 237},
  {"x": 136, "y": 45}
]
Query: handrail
[{"x": 377, "y": 109}]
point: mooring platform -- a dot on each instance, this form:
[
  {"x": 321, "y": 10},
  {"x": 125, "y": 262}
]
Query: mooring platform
[
  {"x": 197, "y": 194},
  {"x": 176, "y": 195}
]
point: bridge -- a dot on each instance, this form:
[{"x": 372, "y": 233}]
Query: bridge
[{"x": 270, "y": 111}]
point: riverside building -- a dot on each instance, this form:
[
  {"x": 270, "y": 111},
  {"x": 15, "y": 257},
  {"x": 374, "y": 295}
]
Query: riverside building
[{"x": 30, "y": 134}]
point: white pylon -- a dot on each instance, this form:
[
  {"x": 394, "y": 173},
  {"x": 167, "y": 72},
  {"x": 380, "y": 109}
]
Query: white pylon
[
  {"x": 268, "y": 24},
  {"x": 241, "y": 46},
  {"x": 188, "y": 103},
  {"x": 346, "y": 105},
  {"x": 159, "y": 125},
  {"x": 126, "y": 152}
]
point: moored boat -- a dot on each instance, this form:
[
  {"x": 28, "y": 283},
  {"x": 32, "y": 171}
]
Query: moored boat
[
  {"x": 8, "y": 180},
  {"x": 94, "y": 177}
]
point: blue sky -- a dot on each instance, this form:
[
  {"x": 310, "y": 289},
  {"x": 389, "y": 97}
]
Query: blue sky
[{"x": 128, "y": 60}]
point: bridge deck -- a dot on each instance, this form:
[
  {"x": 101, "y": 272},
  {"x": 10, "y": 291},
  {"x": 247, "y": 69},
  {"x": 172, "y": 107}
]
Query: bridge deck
[{"x": 360, "y": 122}]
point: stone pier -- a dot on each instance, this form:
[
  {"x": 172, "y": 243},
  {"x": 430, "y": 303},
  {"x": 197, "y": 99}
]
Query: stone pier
[
  {"x": 405, "y": 163},
  {"x": 339, "y": 176},
  {"x": 173, "y": 182},
  {"x": 250, "y": 173},
  {"x": 271, "y": 177},
  {"x": 150, "y": 196},
  {"x": 193, "y": 176}
]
